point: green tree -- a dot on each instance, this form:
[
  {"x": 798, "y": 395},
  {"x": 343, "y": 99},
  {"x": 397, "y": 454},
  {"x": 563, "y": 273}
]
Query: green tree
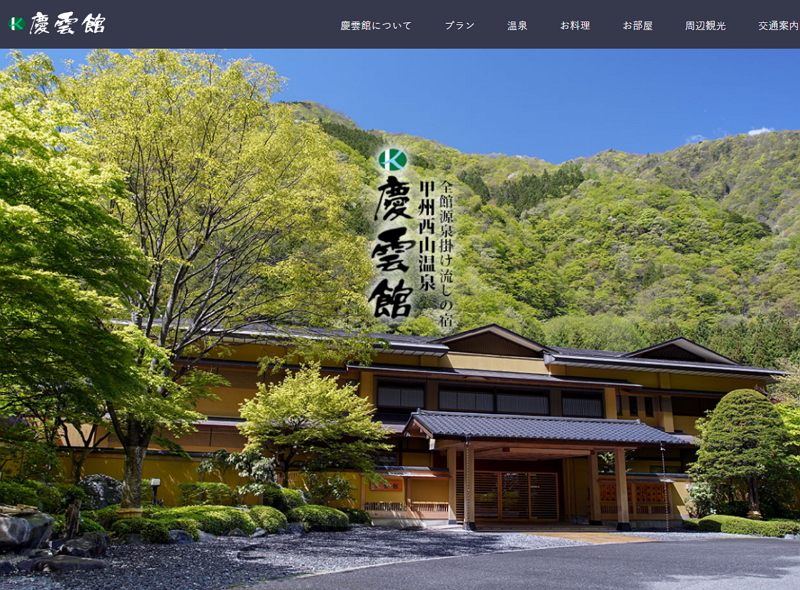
[
  {"x": 239, "y": 208},
  {"x": 311, "y": 420},
  {"x": 65, "y": 264},
  {"x": 743, "y": 442}
]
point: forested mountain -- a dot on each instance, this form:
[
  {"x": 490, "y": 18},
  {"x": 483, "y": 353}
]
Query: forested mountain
[{"x": 617, "y": 250}]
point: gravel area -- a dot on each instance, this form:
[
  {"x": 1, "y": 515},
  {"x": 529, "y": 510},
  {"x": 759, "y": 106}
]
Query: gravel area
[{"x": 227, "y": 561}]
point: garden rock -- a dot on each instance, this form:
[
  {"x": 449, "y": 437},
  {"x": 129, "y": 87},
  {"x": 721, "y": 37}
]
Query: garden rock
[
  {"x": 237, "y": 533},
  {"x": 204, "y": 536},
  {"x": 88, "y": 545},
  {"x": 68, "y": 563},
  {"x": 41, "y": 529},
  {"x": 14, "y": 532},
  {"x": 295, "y": 529},
  {"x": 259, "y": 533},
  {"x": 26, "y": 565},
  {"x": 7, "y": 567},
  {"x": 101, "y": 491},
  {"x": 179, "y": 537}
]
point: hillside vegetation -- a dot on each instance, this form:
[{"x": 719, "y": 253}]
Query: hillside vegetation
[{"x": 618, "y": 250}]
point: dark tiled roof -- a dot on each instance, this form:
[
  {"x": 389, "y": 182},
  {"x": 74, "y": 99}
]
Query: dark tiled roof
[
  {"x": 488, "y": 426},
  {"x": 587, "y": 352}
]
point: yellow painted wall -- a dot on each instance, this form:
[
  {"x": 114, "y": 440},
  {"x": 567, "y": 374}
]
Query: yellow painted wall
[
  {"x": 428, "y": 490},
  {"x": 464, "y": 360},
  {"x": 718, "y": 384},
  {"x": 686, "y": 424}
]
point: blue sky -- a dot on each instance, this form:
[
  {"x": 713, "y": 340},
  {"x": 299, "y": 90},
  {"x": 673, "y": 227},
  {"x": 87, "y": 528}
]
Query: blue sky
[{"x": 550, "y": 104}]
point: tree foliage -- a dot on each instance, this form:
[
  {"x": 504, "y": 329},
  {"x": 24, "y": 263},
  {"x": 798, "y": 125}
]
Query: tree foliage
[
  {"x": 239, "y": 209},
  {"x": 742, "y": 442},
  {"x": 311, "y": 420}
]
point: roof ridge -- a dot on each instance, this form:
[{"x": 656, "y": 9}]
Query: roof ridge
[{"x": 528, "y": 417}]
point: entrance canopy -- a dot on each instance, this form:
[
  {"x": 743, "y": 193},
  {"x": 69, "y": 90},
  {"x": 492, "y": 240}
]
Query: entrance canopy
[{"x": 498, "y": 427}]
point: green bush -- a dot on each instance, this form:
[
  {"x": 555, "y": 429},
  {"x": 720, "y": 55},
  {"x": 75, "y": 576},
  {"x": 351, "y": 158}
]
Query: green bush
[
  {"x": 13, "y": 493},
  {"x": 744, "y": 526},
  {"x": 292, "y": 498},
  {"x": 692, "y": 524},
  {"x": 86, "y": 525},
  {"x": 48, "y": 497},
  {"x": 105, "y": 516},
  {"x": 319, "y": 518},
  {"x": 189, "y": 525},
  {"x": 357, "y": 516},
  {"x": 284, "y": 499},
  {"x": 202, "y": 493},
  {"x": 69, "y": 493},
  {"x": 152, "y": 531},
  {"x": 268, "y": 518},
  {"x": 217, "y": 520}
]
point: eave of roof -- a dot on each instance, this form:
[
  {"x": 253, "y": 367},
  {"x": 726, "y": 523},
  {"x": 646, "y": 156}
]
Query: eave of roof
[
  {"x": 462, "y": 426},
  {"x": 653, "y": 365},
  {"x": 505, "y": 375}
]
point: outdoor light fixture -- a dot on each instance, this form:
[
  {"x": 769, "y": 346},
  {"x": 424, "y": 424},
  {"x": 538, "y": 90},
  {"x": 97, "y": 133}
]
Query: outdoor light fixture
[{"x": 155, "y": 482}]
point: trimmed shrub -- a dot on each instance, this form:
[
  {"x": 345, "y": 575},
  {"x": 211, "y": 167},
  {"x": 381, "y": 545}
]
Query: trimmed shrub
[
  {"x": 357, "y": 516},
  {"x": 292, "y": 498},
  {"x": 13, "y": 493},
  {"x": 744, "y": 526},
  {"x": 203, "y": 493},
  {"x": 284, "y": 499},
  {"x": 49, "y": 498},
  {"x": 268, "y": 518},
  {"x": 152, "y": 531},
  {"x": 692, "y": 524},
  {"x": 69, "y": 493},
  {"x": 105, "y": 516},
  {"x": 189, "y": 525},
  {"x": 319, "y": 518},
  {"x": 217, "y": 520},
  {"x": 86, "y": 525}
]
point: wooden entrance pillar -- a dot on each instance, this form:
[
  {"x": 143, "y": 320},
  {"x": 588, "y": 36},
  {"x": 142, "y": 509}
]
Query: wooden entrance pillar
[
  {"x": 623, "y": 516},
  {"x": 595, "y": 517},
  {"x": 469, "y": 487},
  {"x": 452, "y": 486}
]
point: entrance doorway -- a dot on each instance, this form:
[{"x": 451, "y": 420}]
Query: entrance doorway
[{"x": 511, "y": 496}]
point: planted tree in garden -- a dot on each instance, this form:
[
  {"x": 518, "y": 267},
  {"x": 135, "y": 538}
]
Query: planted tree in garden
[
  {"x": 743, "y": 442},
  {"x": 313, "y": 421},
  {"x": 237, "y": 207},
  {"x": 65, "y": 267}
]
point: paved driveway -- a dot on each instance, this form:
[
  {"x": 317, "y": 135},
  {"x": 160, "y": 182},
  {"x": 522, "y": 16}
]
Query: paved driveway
[{"x": 708, "y": 564}]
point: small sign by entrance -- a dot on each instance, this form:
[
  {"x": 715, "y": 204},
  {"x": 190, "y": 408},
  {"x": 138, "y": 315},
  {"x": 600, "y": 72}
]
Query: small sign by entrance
[{"x": 392, "y": 485}]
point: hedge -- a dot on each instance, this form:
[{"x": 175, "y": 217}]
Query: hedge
[
  {"x": 319, "y": 518},
  {"x": 189, "y": 525},
  {"x": 85, "y": 525},
  {"x": 217, "y": 520},
  {"x": 152, "y": 531},
  {"x": 744, "y": 526},
  {"x": 692, "y": 524},
  {"x": 105, "y": 516},
  {"x": 13, "y": 493},
  {"x": 284, "y": 499},
  {"x": 268, "y": 518},
  {"x": 357, "y": 516}
]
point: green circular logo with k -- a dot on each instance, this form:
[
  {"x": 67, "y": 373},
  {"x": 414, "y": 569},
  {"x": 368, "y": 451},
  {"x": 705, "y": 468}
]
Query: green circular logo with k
[
  {"x": 393, "y": 159},
  {"x": 16, "y": 23}
]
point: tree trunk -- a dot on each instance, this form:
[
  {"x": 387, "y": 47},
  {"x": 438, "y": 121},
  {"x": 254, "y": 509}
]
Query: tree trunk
[
  {"x": 752, "y": 496},
  {"x": 132, "y": 477}
]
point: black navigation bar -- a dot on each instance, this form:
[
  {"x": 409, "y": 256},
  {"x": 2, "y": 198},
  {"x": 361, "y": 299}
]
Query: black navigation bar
[{"x": 413, "y": 24}]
